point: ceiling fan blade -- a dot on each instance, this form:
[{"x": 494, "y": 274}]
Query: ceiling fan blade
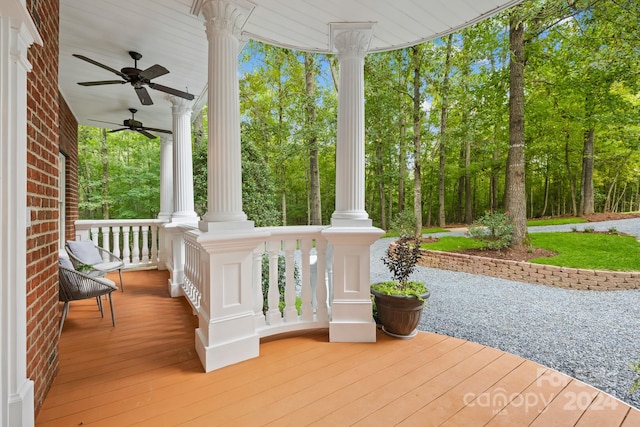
[
  {"x": 153, "y": 72},
  {"x": 103, "y": 82},
  {"x": 171, "y": 91},
  {"x": 102, "y": 121},
  {"x": 106, "y": 67},
  {"x": 143, "y": 95},
  {"x": 158, "y": 130},
  {"x": 147, "y": 134},
  {"x": 118, "y": 130}
]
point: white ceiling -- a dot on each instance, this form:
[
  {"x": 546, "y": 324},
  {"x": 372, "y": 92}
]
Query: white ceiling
[{"x": 165, "y": 32}]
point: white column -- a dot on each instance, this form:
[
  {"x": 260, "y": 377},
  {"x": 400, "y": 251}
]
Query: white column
[
  {"x": 166, "y": 177},
  {"x": 351, "y": 42},
  {"x": 224, "y": 22},
  {"x": 17, "y": 34},
  {"x": 351, "y": 233},
  {"x": 183, "y": 205}
]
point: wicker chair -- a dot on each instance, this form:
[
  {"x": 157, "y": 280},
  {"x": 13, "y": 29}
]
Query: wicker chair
[
  {"x": 75, "y": 285},
  {"x": 85, "y": 252}
]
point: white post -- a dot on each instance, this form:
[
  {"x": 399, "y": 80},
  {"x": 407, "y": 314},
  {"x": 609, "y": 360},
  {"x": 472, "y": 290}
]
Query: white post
[
  {"x": 166, "y": 200},
  {"x": 183, "y": 204},
  {"x": 352, "y": 233},
  {"x": 166, "y": 177},
  {"x": 17, "y": 34},
  {"x": 224, "y": 22},
  {"x": 227, "y": 326}
]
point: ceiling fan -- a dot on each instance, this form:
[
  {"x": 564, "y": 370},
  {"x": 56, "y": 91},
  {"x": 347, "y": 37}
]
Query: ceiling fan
[
  {"x": 135, "y": 125},
  {"x": 138, "y": 78}
]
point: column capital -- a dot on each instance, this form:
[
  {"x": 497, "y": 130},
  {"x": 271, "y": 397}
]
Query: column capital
[
  {"x": 225, "y": 15},
  {"x": 166, "y": 139},
  {"x": 180, "y": 105},
  {"x": 351, "y": 40}
]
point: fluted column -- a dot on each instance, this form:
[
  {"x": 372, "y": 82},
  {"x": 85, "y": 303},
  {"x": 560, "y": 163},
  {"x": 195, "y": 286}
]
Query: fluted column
[
  {"x": 351, "y": 42},
  {"x": 224, "y": 20},
  {"x": 17, "y": 34},
  {"x": 183, "y": 205},
  {"x": 166, "y": 177}
]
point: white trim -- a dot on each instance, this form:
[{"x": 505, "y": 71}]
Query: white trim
[{"x": 17, "y": 33}]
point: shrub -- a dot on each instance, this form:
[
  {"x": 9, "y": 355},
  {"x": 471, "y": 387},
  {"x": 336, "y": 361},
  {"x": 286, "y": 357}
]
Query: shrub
[
  {"x": 636, "y": 382},
  {"x": 495, "y": 230},
  {"x": 401, "y": 258},
  {"x": 404, "y": 224}
]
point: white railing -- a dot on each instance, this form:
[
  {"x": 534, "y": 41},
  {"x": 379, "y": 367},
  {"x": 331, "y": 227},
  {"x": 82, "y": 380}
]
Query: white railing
[
  {"x": 133, "y": 240},
  {"x": 289, "y": 268}
]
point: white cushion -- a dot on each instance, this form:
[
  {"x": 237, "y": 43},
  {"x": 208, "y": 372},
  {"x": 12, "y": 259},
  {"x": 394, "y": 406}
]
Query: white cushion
[
  {"x": 108, "y": 282},
  {"x": 85, "y": 251},
  {"x": 107, "y": 266},
  {"x": 65, "y": 262}
]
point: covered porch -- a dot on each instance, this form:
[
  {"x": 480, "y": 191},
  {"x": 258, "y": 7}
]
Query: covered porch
[{"x": 146, "y": 372}]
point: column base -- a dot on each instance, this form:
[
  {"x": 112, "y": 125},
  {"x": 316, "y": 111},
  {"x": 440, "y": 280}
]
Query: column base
[
  {"x": 224, "y": 351},
  {"x": 353, "y": 322},
  {"x": 175, "y": 289},
  {"x": 21, "y": 406},
  {"x": 225, "y": 227}
]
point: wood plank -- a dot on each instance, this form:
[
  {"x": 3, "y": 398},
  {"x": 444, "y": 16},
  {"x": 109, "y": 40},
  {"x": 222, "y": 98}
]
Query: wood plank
[{"x": 145, "y": 372}]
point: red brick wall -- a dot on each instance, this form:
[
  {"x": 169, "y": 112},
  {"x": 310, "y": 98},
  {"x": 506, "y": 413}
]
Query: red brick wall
[
  {"x": 42, "y": 199},
  {"x": 520, "y": 271},
  {"x": 69, "y": 147}
]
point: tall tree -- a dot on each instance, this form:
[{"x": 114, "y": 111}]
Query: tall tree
[
  {"x": 443, "y": 132},
  {"x": 416, "y": 55},
  {"x": 312, "y": 138}
]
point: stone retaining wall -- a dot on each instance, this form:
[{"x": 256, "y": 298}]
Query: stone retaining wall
[{"x": 521, "y": 271}]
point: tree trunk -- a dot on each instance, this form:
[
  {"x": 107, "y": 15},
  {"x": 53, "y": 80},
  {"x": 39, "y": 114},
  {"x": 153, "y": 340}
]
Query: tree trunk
[
  {"x": 572, "y": 178},
  {"x": 381, "y": 189},
  {"x": 105, "y": 175},
  {"x": 417, "y": 147},
  {"x": 468, "y": 200},
  {"x": 312, "y": 138},
  {"x": 586, "y": 200},
  {"x": 443, "y": 131},
  {"x": 515, "y": 193},
  {"x": 402, "y": 164}
]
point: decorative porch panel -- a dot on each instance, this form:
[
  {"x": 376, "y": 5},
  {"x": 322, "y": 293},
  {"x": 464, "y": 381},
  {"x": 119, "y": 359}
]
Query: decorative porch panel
[
  {"x": 173, "y": 243},
  {"x": 133, "y": 240},
  {"x": 256, "y": 283},
  {"x": 351, "y": 308}
]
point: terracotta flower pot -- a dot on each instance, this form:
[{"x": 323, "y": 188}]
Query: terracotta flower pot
[{"x": 398, "y": 314}]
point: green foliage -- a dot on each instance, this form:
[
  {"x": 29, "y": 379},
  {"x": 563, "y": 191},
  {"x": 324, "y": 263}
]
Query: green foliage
[
  {"x": 493, "y": 229},
  {"x": 282, "y": 281},
  {"x": 453, "y": 243},
  {"x": 554, "y": 221},
  {"x": 593, "y": 251},
  {"x": 404, "y": 224},
  {"x": 415, "y": 289},
  {"x": 635, "y": 367}
]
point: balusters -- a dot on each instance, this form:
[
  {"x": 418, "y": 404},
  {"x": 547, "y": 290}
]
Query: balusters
[
  {"x": 136, "y": 245},
  {"x": 273, "y": 294},
  {"x": 106, "y": 238},
  {"x": 116, "y": 241},
  {"x": 145, "y": 244},
  {"x": 306, "y": 309},
  {"x": 258, "y": 296},
  {"x": 126, "y": 249},
  {"x": 322, "y": 310},
  {"x": 290, "y": 311},
  {"x": 154, "y": 246}
]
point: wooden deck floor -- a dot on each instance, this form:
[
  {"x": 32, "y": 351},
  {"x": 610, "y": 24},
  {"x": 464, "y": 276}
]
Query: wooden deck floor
[{"x": 145, "y": 372}]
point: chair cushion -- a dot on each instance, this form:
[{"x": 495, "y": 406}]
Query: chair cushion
[
  {"x": 107, "y": 282},
  {"x": 85, "y": 251},
  {"x": 107, "y": 266},
  {"x": 65, "y": 262}
]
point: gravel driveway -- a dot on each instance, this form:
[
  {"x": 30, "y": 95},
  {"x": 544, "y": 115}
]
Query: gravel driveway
[{"x": 589, "y": 335}]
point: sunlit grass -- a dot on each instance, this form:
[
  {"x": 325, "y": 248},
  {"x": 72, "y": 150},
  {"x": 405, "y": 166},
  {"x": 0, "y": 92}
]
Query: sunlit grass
[
  {"x": 453, "y": 243},
  {"x": 555, "y": 221},
  {"x": 591, "y": 251}
]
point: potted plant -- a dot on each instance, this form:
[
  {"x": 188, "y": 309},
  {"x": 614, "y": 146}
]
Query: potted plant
[{"x": 399, "y": 302}]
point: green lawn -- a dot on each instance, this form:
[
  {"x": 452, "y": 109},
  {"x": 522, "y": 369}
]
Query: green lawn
[
  {"x": 591, "y": 251},
  {"x": 429, "y": 230},
  {"x": 555, "y": 221}
]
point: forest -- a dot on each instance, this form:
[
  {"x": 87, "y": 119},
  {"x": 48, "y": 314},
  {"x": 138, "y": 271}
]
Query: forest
[{"x": 534, "y": 112}]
